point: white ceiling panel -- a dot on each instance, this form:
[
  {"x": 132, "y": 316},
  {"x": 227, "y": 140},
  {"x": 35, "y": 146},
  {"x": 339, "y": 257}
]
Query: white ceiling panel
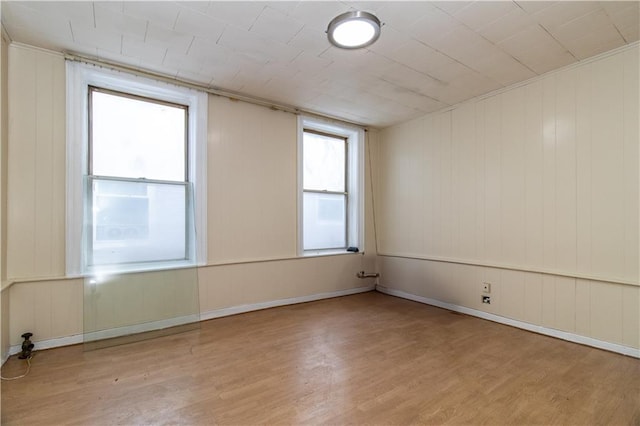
[
  {"x": 507, "y": 25},
  {"x": 451, "y": 7},
  {"x": 477, "y": 14},
  {"x": 241, "y": 14},
  {"x": 404, "y": 14},
  {"x": 199, "y": 25},
  {"x": 562, "y": 12},
  {"x": 276, "y": 25},
  {"x": 86, "y": 37},
  {"x": 159, "y": 36},
  {"x": 430, "y": 54},
  {"x": 135, "y": 47},
  {"x": 163, "y": 13},
  {"x": 538, "y": 50},
  {"x": 316, "y": 15}
]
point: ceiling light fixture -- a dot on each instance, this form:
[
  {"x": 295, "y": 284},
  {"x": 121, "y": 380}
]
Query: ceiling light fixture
[{"x": 354, "y": 30}]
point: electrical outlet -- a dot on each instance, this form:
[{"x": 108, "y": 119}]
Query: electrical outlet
[
  {"x": 486, "y": 299},
  {"x": 486, "y": 288}
]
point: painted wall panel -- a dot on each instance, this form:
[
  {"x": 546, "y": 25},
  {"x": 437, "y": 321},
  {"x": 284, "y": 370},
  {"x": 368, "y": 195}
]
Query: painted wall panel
[
  {"x": 631, "y": 149},
  {"x": 583, "y": 307},
  {"x": 607, "y": 168},
  {"x": 549, "y": 173},
  {"x": 584, "y": 112},
  {"x": 565, "y": 184},
  {"x": 4, "y": 145},
  {"x": 631, "y": 316},
  {"x": 534, "y": 175},
  {"x": 513, "y": 294},
  {"x": 492, "y": 180},
  {"x": 36, "y": 187},
  {"x": 512, "y": 178},
  {"x": 251, "y": 182},
  {"x": 542, "y": 178},
  {"x": 565, "y": 316},
  {"x": 606, "y": 311},
  {"x": 533, "y": 298}
]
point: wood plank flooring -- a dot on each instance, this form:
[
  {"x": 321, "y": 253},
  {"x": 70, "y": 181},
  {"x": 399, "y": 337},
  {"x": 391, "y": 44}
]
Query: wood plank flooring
[{"x": 362, "y": 359}]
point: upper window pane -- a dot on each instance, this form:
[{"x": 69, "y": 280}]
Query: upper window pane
[
  {"x": 134, "y": 138},
  {"x": 323, "y": 162}
]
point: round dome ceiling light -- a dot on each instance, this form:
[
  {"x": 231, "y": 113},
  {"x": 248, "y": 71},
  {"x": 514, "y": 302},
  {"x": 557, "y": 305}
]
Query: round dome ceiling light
[{"x": 353, "y": 30}]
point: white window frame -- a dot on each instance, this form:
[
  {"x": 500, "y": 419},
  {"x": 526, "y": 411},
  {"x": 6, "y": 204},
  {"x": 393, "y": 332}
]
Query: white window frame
[
  {"x": 79, "y": 77},
  {"x": 355, "y": 181}
]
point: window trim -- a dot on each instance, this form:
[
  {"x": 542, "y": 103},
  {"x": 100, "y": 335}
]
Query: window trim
[
  {"x": 354, "y": 137},
  {"x": 80, "y": 77}
]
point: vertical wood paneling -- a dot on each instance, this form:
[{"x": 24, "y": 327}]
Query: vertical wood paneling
[
  {"x": 533, "y": 298},
  {"x": 43, "y": 167},
  {"x": 583, "y": 307},
  {"x": 388, "y": 206},
  {"x": 465, "y": 178},
  {"x": 549, "y": 172},
  {"x": 251, "y": 182},
  {"x": 584, "y": 94},
  {"x": 606, "y": 311},
  {"x": 414, "y": 191},
  {"x": 446, "y": 199},
  {"x": 512, "y": 178},
  {"x": 492, "y": 179},
  {"x": 36, "y": 187},
  {"x": 431, "y": 173},
  {"x": 544, "y": 176},
  {"x": 607, "y": 168},
  {"x": 66, "y": 310},
  {"x": 513, "y": 294},
  {"x": 21, "y": 203},
  {"x": 565, "y": 316},
  {"x": 549, "y": 301},
  {"x": 480, "y": 187},
  {"x": 631, "y": 148},
  {"x": 534, "y": 175},
  {"x": 565, "y": 155},
  {"x": 631, "y": 316}
]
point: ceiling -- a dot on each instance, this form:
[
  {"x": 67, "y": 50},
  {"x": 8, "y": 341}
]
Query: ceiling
[{"x": 430, "y": 54}]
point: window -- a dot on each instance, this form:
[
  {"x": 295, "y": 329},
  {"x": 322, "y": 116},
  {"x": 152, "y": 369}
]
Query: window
[
  {"x": 137, "y": 171},
  {"x": 331, "y": 196}
]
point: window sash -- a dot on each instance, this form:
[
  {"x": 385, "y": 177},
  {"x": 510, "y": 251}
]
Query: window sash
[
  {"x": 95, "y": 89},
  {"x": 91, "y": 227},
  {"x": 344, "y": 193}
]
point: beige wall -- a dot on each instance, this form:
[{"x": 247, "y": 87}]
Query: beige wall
[
  {"x": 535, "y": 190},
  {"x": 36, "y": 174},
  {"x": 252, "y": 208},
  {"x": 4, "y": 306}
]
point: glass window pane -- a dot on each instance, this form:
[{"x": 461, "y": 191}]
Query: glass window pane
[
  {"x": 323, "y": 162},
  {"x": 134, "y": 138},
  {"x": 137, "y": 222},
  {"x": 324, "y": 221}
]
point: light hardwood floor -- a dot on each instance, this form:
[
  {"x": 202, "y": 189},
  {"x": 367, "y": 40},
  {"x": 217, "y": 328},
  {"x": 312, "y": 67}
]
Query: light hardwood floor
[{"x": 363, "y": 359}]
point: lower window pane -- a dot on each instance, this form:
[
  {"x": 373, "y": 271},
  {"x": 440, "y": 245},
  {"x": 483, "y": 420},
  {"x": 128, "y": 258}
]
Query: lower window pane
[
  {"x": 137, "y": 222},
  {"x": 324, "y": 221}
]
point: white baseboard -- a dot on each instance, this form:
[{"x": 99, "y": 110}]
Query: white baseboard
[
  {"x": 233, "y": 310},
  {"x": 157, "y": 325},
  {"x": 571, "y": 337}
]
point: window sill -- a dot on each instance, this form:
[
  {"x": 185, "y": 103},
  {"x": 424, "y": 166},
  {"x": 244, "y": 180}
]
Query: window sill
[
  {"x": 137, "y": 267},
  {"x": 318, "y": 253}
]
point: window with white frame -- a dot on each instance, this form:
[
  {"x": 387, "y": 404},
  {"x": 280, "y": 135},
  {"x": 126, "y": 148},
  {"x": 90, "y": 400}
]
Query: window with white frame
[
  {"x": 136, "y": 173},
  {"x": 331, "y": 165}
]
